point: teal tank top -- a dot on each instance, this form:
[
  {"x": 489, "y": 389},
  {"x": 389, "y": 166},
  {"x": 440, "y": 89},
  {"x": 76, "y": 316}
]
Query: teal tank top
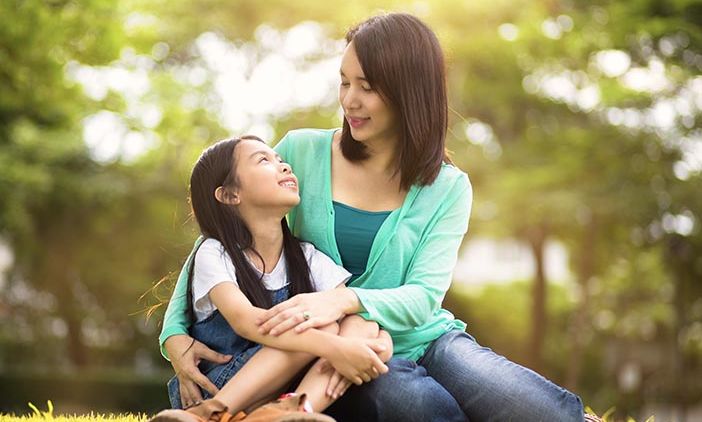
[{"x": 355, "y": 231}]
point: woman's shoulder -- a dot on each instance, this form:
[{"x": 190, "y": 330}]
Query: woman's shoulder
[
  {"x": 309, "y": 135},
  {"x": 450, "y": 175},
  {"x": 307, "y": 138}
]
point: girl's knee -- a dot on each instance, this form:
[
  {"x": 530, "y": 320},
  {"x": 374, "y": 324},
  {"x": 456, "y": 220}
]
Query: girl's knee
[
  {"x": 332, "y": 328},
  {"x": 355, "y": 326}
]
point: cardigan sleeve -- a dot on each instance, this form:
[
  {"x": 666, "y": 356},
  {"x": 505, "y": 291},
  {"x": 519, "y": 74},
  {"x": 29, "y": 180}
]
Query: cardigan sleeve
[
  {"x": 175, "y": 321},
  {"x": 430, "y": 273}
]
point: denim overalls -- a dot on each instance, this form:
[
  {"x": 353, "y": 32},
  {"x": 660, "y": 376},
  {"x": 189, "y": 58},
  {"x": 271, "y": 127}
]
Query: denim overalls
[{"x": 216, "y": 333}]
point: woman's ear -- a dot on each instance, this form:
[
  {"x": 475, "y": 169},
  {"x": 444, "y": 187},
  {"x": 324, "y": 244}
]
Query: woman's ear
[{"x": 226, "y": 197}]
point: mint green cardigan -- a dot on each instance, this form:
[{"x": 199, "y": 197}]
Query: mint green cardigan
[{"x": 411, "y": 260}]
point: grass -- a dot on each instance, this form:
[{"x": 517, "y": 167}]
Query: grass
[
  {"x": 48, "y": 415},
  {"x": 74, "y": 418}
]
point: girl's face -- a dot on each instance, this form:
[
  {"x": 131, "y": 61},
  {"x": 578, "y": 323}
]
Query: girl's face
[
  {"x": 369, "y": 116},
  {"x": 264, "y": 180}
]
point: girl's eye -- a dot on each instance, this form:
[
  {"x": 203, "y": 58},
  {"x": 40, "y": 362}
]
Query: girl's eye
[
  {"x": 345, "y": 84},
  {"x": 263, "y": 159},
  {"x": 367, "y": 88}
]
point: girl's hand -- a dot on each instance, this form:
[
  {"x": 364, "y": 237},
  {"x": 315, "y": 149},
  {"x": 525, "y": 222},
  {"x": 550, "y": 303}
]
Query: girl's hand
[
  {"x": 307, "y": 310},
  {"x": 357, "y": 359},
  {"x": 185, "y": 353},
  {"x": 337, "y": 385}
]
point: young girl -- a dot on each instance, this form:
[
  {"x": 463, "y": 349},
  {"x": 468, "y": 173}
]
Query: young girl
[{"x": 241, "y": 191}]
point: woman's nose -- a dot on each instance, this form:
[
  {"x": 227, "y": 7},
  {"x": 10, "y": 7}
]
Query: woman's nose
[
  {"x": 349, "y": 100},
  {"x": 285, "y": 168}
]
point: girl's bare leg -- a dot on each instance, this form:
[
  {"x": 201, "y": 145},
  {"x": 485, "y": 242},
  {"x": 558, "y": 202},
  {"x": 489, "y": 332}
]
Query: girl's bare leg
[{"x": 267, "y": 373}]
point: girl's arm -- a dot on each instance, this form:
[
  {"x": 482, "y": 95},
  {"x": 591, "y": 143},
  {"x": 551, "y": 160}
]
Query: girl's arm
[{"x": 355, "y": 359}]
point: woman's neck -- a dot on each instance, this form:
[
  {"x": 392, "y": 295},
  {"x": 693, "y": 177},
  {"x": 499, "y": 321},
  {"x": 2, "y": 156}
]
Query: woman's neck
[
  {"x": 267, "y": 240},
  {"x": 382, "y": 158}
]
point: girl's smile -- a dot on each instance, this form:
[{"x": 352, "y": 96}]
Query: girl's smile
[{"x": 265, "y": 181}]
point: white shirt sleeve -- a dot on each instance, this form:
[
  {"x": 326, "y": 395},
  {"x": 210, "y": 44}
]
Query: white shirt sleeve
[
  {"x": 325, "y": 273},
  {"x": 212, "y": 267}
]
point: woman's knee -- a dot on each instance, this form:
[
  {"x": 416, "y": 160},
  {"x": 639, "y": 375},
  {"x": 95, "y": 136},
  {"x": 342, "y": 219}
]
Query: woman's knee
[{"x": 407, "y": 393}]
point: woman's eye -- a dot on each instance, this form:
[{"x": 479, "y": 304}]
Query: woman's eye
[
  {"x": 345, "y": 84},
  {"x": 367, "y": 88},
  {"x": 263, "y": 159}
]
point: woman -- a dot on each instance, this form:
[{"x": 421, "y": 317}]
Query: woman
[{"x": 382, "y": 198}]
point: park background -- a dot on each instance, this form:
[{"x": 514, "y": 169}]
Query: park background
[{"x": 577, "y": 121}]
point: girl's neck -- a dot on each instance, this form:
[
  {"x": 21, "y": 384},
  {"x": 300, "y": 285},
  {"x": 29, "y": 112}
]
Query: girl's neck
[{"x": 267, "y": 240}]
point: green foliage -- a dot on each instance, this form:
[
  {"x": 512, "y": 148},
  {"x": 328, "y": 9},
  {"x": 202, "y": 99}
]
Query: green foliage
[{"x": 90, "y": 236}]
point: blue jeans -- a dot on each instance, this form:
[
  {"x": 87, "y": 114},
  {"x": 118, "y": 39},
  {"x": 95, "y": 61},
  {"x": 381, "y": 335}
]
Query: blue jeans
[{"x": 458, "y": 380}]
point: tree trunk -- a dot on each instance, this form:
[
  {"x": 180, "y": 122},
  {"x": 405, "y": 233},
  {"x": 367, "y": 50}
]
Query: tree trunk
[
  {"x": 71, "y": 315},
  {"x": 680, "y": 257},
  {"x": 537, "y": 243},
  {"x": 579, "y": 328}
]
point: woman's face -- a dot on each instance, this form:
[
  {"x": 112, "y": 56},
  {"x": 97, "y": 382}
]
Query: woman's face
[
  {"x": 264, "y": 180},
  {"x": 368, "y": 115}
]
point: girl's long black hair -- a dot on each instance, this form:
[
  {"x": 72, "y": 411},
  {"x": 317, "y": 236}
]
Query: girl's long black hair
[{"x": 217, "y": 167}]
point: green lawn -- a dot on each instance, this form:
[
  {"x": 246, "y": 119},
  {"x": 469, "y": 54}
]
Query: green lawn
[{"x": 39, "y": 415}]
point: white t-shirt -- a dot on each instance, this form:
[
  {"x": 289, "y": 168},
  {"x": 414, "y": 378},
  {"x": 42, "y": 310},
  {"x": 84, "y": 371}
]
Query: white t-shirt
[{"x": 213, "y": 266}]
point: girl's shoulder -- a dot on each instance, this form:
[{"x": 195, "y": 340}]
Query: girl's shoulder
[
  {"x": 309, "y": 250},
  {"x": 211, "y": 244},
  {"x": 211, "y": 251},
  {"x": 325, "y": 273}
]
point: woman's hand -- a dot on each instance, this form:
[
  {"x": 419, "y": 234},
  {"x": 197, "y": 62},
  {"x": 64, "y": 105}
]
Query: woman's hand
[
  {"x": 186, "y": 353},
  {"x": 357, "y": 359},
  {"x": 308, "y": 310}
]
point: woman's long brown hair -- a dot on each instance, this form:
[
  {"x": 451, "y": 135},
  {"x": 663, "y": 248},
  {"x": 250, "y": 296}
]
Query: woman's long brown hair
[{"x": 402, "y": 60}]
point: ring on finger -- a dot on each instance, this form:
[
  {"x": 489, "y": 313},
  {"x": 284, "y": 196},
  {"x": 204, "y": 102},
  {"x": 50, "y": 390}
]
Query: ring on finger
[{"x": 306, "y": 315}]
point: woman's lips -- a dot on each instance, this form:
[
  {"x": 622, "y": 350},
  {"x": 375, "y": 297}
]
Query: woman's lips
[{"x": 356, "y": 122}]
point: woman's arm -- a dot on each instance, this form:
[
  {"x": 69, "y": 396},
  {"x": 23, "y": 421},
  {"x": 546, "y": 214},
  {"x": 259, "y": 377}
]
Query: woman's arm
[
  {"x": 356, "y": 359},
  {"x": 175, "y": 321},
  {"x": 430, "y": 273},
  {"x": 395, "y": 309}
]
